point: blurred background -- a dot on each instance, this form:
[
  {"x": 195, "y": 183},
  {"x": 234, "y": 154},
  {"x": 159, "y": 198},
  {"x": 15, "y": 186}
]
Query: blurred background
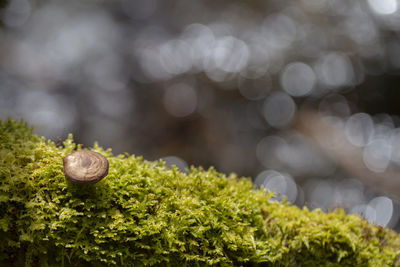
[{"x": 302, "y": 96}]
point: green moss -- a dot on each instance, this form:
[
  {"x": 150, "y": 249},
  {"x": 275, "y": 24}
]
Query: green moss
[{"x": 144, "y": 213}]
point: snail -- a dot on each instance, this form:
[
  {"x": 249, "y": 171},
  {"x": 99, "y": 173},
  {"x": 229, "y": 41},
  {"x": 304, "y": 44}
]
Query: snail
[{"x": 85, "y": 167}]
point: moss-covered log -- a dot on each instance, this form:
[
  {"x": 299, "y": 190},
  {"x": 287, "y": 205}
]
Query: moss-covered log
[{"x": 144, "y": 213}]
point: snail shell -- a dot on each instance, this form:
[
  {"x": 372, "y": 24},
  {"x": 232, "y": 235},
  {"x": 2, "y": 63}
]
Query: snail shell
[{"x": 85, "y": 167}]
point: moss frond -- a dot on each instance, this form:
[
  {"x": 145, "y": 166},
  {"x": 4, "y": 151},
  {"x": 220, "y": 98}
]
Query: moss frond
[{"x": 144, "y": 214}]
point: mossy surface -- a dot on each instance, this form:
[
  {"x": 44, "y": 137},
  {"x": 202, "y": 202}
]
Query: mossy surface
[{"x": 144, "y": 213}]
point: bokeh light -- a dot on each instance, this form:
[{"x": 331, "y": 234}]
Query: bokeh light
[
  {"x": 280, "y": 183},
  {"x": 301, "y": 95},
  {"x": 279, "y": 109},
  {"x": 383, "y": 7},
  {"x": 359, "y": 129},
  {"x": 171, "y": 161},
  {"x": 298, "y": 79}
]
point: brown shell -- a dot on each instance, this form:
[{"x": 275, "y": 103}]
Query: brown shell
[{"x": 85, "y": 167}]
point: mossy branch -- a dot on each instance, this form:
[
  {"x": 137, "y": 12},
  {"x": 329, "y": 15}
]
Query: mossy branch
[{"x": 144, "y": 213}]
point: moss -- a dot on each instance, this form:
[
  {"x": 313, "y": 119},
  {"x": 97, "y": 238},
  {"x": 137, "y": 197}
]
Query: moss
[{"x": 144, "y": 213}]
